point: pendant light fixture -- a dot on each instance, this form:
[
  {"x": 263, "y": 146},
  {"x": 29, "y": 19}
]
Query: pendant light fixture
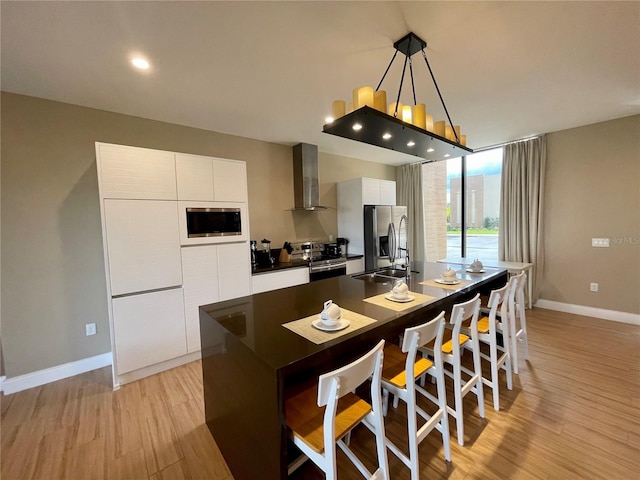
[{"x": 402, "y": 128}]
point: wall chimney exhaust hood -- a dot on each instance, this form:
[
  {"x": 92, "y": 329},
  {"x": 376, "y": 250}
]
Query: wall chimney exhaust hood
[{"x": 306, "y": 188}]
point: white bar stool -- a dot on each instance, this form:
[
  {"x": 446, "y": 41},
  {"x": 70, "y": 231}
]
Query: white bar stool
[
  {"x": 400, "y": 371},
  {"x": 487, "y": 330},
  {"x": 454, "y": 342},
  {"x": 316, "y": 430},
  {"x": 518, "y": 321}
]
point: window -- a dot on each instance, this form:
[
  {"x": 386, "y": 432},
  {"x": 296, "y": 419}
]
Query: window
[{"x": 454, "y": 228}]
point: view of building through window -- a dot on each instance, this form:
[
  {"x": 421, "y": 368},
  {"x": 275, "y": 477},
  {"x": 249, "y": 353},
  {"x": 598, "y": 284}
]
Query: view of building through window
[{"x": 443, "y": 207}]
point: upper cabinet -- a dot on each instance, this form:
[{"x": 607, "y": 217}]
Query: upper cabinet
[
  {"x": 136, "y": 173},
  {"x": 352, "y": 196},
  {"x": 208, "y": 179},
  {"x": 229, "y": 180},
  {"x": 375, "y": 191}
]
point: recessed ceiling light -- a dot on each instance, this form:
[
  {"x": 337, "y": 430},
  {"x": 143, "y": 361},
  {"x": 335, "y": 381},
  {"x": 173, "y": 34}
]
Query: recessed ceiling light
[
  {"x": 430, "y": 150},
  {"x": 386, "y": 136},
  {"x": 357, "y": 126},
  {"x": 410, "y": 143},
  {"x": 329, "y": 120},
  {"x": 140, "y": 63},
  {"x": 446, "y": 155}
]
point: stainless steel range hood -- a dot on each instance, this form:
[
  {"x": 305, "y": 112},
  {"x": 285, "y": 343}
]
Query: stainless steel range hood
[{"x": 306, "y": 188}]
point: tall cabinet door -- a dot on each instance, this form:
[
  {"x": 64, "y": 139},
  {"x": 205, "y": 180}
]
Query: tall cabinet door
[
  {"x": 143, "y": 245},
  {"x": 148, "y": 329},
  {"x": 200, "y": 277},
  {"x": 234, "y": 270}
]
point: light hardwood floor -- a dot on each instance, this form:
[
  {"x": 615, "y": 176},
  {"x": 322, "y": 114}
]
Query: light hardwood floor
[{"x": 574, "y": 413}]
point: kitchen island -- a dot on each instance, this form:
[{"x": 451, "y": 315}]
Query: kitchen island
[{"x": 251, "y": 363}]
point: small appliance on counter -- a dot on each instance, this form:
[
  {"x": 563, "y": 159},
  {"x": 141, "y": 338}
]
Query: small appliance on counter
[
  {"x": 331, "y": 250},
  {"x": 343, "y": 244},
  {"x": 263, "y": 257},
  {"x": 254, "y": 253}
]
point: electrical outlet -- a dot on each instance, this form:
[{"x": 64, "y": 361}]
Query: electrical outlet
[
  {"x": 600, "y": 242},
  {"x": 594, "y": 287},
  {"x": 90, "y": 329}
]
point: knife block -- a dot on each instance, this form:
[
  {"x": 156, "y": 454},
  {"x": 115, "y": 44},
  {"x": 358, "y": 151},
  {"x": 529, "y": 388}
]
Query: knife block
[{"x": 284, "y": 256}]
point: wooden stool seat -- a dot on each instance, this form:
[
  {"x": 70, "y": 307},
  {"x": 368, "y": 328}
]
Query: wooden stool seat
[
  {"x": 305, "y": 418},
  {"x": 447, "y": 342},
  {"x": 393, "y": 370},
  {"x": 483, "y": 325}
]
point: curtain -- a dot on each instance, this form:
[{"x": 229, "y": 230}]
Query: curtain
[
  {"x": 521, "y": 206},
  {"x": 410, "y": 194}
]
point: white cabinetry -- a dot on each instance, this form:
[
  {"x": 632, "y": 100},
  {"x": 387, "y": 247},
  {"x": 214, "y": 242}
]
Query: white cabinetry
[
  {"x": 355, "y": 266},
  {"x": 352, "y": 196},
  {"x": 148, "y": 329},
  {"x": 194, "y": 175},
  {"x": 136, "y": 173},
  {"x": 234, "y": 270},
  {"x": 229, "y": 180},
  {"x": 143, "y": 245},
  {"x": 154, "y": 289},
  {"x": 290, "y": 277},
  {"x": 200, "y": 273},
  {"x": 212, "y": 273},
  {"x": 208, "y": 179}
]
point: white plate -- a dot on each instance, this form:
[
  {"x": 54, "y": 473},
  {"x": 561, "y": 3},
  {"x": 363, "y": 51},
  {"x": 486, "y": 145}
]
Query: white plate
[
  {"x": 341, "y": 325},
  {"x": 447, "y": 282},
  {"x": 482, "y": 270},
  {"x": 408, "y": 298}
]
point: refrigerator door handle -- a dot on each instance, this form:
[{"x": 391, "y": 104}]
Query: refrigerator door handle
[{"x": 392, "y": 243}]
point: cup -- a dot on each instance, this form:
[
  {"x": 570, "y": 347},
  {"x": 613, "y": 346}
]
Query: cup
[
  {"x": 449, "y": 275},
  {"x": 400, "y": 290},
  {"x": 330, "y": 315},
  {"x": 476, "y": 265}
]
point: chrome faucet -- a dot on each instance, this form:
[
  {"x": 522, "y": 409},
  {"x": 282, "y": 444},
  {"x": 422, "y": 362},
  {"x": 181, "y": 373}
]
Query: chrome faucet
[{"x": 407, "y": 263}]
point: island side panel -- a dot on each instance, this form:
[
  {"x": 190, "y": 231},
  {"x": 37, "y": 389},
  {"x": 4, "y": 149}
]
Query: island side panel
[{"x": 241, "y": 404}]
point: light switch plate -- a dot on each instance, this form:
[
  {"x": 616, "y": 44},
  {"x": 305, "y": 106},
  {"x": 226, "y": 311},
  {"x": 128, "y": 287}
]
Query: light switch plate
[
  {"x": 90, "y": 329},
  {"x": 599, "y": 242}
]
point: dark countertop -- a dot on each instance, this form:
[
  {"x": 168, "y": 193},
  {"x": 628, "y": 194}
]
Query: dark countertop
[
  {"x": 257, "y": 319},
  {"x": 251, "y": 364},
  {"x": 295, "y": 264}
]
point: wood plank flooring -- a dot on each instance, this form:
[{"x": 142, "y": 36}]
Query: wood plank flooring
[{"x": 574, "y": 413}]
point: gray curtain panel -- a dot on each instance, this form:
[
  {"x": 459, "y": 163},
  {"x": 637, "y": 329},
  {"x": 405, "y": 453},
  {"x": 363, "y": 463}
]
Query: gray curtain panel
[
  {"x": 521, "y": 206},
  {"x": 410, "y": 194}
]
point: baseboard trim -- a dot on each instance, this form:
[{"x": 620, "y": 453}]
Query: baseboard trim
[
  {"x": 135, "y": 375},
  {"x": 48, "y": 375},
  {"x": 613, "y": 315}
]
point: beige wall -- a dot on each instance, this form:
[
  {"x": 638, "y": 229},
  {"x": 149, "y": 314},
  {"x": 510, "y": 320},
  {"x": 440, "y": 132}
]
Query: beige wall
[
  {"x": 52, "y": 260},
  {"x": 593, "y": 190}
]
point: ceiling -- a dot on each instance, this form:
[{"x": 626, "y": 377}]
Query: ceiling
[{"x": 270, "y": 70}]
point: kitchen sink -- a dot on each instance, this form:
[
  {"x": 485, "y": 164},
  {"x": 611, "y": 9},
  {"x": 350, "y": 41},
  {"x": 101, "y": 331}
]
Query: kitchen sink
[
  {"x": 392, "y": 272},
  {"x": 384, "y": 276},
  {"x": 375, "y": 278}
]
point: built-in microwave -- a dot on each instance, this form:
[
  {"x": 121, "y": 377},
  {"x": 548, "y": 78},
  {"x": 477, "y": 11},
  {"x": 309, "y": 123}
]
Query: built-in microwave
[{"x": 212, "y": 222}]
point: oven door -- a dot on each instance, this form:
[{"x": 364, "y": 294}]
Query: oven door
[{"x": 327, "y": 270}]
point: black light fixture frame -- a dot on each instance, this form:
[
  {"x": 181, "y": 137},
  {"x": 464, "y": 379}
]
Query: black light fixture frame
[{"x": 400, "y": 136}]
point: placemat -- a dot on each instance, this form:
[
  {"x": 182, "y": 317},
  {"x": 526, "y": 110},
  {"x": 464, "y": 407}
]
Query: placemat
[
  {"x": 304, "y": 328},
  {"x": 399, "y": 306},
  {"x": 457, "y": 286}
]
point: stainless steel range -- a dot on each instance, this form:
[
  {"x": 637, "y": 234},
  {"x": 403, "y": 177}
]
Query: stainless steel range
[{"x": 325, "y": 260}]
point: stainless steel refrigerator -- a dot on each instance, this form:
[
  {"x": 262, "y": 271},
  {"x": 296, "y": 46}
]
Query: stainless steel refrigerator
[{"x": 385, "y": 236}]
